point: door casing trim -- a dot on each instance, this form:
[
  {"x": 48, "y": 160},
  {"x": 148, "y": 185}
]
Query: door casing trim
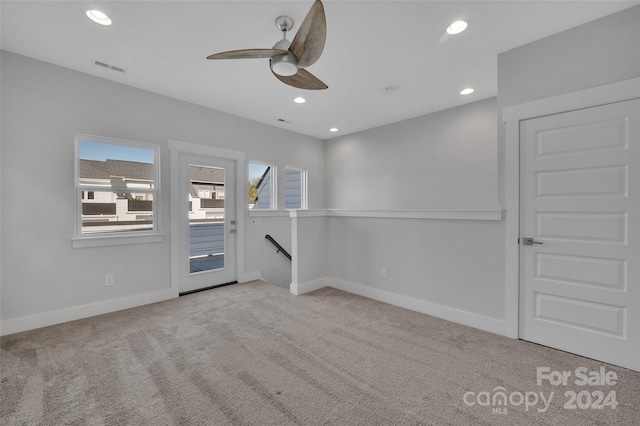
[
  {"x": 511, "y": 118},
  {"x": 177, "y": 147}
]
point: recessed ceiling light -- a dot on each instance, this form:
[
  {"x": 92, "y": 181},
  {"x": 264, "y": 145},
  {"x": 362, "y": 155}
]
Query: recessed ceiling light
[
  {"x": 466, "y": 91},
  {"x": 333, "y": 129},
  {"x": 457, "y": 27},
  {"x": 98, "y": 17},
  {"x": 299, "y": 100}
]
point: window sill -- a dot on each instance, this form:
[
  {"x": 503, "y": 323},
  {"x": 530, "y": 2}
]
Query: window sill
[{"x": 115, "y": 240}]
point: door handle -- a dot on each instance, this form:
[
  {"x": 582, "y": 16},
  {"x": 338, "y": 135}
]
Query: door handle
[{"x": 529, "y": 242}]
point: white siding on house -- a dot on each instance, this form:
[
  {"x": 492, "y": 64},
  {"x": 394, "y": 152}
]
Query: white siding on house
[
  {"x": 292, "y": 188},
  {"x": 99, "y": 197},
  {"x": 263, "y": 201}
]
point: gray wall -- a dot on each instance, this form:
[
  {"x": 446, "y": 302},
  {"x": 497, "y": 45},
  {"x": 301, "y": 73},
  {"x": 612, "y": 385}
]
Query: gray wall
[
  {"x": 603, "y": 51},
  {"x": 445, "y": 160},
  {"x": 455, "y": 264},
  {"x": 599, "y": 52},
  {"x": 448, "y": 160},
  {"x": 43, "y": 106},
  {"x": 442, "y": 161},
  {"x": 454, "y": 159}
]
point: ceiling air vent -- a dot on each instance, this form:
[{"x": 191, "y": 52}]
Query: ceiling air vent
[{"x": 110, "y": 67}]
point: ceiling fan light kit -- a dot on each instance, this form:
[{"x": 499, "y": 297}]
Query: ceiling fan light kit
[
  {"x": 285, "y": 65},
  {"x": 288, "y": 60}
]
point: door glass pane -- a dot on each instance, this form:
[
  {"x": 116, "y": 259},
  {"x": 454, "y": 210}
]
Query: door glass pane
[{"x": 206, "y": 218}]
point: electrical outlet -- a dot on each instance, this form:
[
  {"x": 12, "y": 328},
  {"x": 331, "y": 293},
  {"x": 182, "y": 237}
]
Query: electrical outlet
[
  {"x": 383, "y": 273},
  {"x": 256, "y": 221},
  {"x": 109, "y": 280}
]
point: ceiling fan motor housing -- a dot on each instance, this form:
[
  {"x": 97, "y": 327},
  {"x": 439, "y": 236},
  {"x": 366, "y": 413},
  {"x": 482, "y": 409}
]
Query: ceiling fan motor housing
[{"x": 285, "y": 64}]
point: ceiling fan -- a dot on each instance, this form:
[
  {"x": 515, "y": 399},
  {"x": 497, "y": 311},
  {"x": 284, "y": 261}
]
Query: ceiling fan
[{"x": 288, "y": 60}]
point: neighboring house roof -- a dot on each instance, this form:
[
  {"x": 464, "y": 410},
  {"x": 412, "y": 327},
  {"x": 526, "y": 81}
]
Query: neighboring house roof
[
  {"x": 206, "y": 175},
  {"x": 91, "y": 169}
]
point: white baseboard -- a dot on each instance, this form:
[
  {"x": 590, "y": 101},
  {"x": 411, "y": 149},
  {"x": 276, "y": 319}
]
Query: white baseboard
[
  {"x": 307, "y": 287},
  {"x": 16, "y": 325},
  {"x": 481, "y": 322},
  {"x": 450, "y": 314}
]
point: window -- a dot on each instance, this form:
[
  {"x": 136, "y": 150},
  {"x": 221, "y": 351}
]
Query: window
[
  {"x": 262, "y": 188},
  {"x": 295, "y": 188},
  {"x": 116, "y": 187}
]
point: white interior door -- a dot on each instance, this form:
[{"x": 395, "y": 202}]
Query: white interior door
[
  {"x": 580, "y": 203},
  {"x": 207, "y": 231}
]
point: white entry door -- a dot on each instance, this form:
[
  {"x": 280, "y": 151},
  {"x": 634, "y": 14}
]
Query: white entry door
[
  {"x": 580, "y": 205},
  {"x": 207, "y": 244}
]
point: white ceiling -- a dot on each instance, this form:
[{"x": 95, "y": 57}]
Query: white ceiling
[{"x": 371, "y": 46}]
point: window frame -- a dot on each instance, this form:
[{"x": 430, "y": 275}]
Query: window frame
[
  {"x": 273, "y": 172},
  {"x": 303, "y": 187},
  {"x": 81, "y": 240}
]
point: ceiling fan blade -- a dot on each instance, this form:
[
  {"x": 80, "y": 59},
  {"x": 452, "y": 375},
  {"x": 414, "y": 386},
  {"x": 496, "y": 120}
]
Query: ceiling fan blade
[
  {"x": 302, "y": 80},
  {"x": 309, "y": 41},
  {"x": 247, "y": 54}
]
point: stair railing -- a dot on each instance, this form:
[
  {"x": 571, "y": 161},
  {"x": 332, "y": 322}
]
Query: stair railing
[{"x": 278, "y": 246}]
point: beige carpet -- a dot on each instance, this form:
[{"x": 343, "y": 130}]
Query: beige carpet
[{"x": 254, "y": 354}]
